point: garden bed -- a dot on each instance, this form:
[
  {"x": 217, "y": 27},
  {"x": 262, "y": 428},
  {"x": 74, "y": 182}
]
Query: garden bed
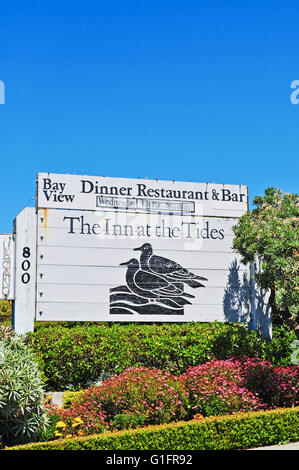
[
  {"x": 196, "y": 382},
  {"x": 139, "y": 397}
]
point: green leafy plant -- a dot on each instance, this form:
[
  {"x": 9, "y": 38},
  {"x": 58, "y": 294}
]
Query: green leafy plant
[
  {"x": 5, "y": 311},
  {"x": 128, "y": 421},
  {"x": 6, "y": 332},
  {"x": 270, "y": 233},
  {"x": 22, "y": 414},
  {"x": 76, "y": 357}
]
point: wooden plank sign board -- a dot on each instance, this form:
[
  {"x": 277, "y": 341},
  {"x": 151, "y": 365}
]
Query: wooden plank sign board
[
  {"x": 95, "y": 266},
  {"x": 6, "y": 266},
  {"x": 117, "y": 249},
  {"x": 83, "y": 192}
]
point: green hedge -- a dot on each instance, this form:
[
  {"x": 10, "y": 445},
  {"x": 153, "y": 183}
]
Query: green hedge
[
  {"x": 240, "y": 431},
  {"x": 75, "y": 357}
]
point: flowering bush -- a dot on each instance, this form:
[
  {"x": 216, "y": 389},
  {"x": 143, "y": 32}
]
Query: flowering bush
[
  {"x": 142, "y": 396},
  {"x": 136, "y": 397},
  {"x": 276, "y": 386},
  {"x": 215, "y": 388},
  {"x": 78, "y": 420},
  {"x": 241, "y": 384},
  {"x": 156, "y": 395},
  {"x": 198, "y": 417}
]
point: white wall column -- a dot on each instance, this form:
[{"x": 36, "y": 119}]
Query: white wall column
[{"x": 25, "y": 271}]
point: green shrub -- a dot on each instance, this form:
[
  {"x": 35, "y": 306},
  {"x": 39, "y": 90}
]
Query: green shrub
[
  {"x": 47, "y": 433},
  {"x": 239, "y": 431},
  {"x": 71, "y": 397},
  {"x": 5, "y": 311},
  {"x": 78, "y": 356},
  {"x": 6, "y": 332},
  {"x": 75, "y": 358},
  {"x": 21, "y": 393},
  {"x": 128, "y": 421}
]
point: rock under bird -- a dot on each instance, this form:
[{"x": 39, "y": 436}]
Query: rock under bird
[{"x": 167, "y": 268}]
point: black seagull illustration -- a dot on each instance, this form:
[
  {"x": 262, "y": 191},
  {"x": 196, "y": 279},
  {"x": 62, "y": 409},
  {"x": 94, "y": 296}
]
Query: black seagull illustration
[
  {"x": 167, "y": 268},
  {"x": 152, "y": 286}
]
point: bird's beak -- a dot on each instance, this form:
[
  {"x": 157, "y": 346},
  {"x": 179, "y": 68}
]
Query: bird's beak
[
  {"x": 121, "y": 264},
  {"x": 137, "y": 249}
]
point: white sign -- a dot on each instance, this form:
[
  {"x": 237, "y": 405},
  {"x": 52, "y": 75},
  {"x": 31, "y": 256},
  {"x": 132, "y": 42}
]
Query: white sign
[
  {"x": 55, "y": 191},
  {"x": 116, "y": 249},
  {"x": 116, "y": 265},
  {"x": 6, "y": 267}
]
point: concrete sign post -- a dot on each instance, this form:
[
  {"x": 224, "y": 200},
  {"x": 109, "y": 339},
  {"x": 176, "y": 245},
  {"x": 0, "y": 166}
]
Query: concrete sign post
[{"x": 25, "y": 271}]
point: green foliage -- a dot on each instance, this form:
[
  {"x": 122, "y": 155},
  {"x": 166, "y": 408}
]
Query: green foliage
[
  {"x": 71, "y": 397},
  {"x": 74, "y": 358},
  {"x": 239, "y": 431},
  {"x": 21, "y": 393},
  {"x": 271, "y": 233},
  {"x": 47, "y": 433},
  {"x": 128, "y": 421},
  {"x": 5, "y": 311},
  {"x": 213, "y": 407},
  {"x": 6, "y": 332}
]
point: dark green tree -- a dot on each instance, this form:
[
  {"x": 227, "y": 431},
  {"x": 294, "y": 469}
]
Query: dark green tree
[{"x": 270, "y": 232}]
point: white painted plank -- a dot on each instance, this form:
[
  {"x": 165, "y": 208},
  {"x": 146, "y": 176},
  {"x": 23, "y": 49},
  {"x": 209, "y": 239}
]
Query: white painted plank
[
  {"x": 100, "y": 275},
  {"x": 85, "y": 228},
  {"x": 51, "y": 218},
  {"x": 59, "y": 237},
  {"x": 86, "y": 193},
  {"x": 80, "y": 252},
  {"x": 70, "y": 256},
  {"x": 99, "y": 293},
  {"x": 100, "y": 312}
]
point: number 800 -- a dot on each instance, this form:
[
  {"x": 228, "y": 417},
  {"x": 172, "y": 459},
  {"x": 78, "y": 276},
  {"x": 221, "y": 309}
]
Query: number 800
[{"x": 26, "y": 265}]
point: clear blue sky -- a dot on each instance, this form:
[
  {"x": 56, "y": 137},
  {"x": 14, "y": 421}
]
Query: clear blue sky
[{"x": 167, "y": 89}]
